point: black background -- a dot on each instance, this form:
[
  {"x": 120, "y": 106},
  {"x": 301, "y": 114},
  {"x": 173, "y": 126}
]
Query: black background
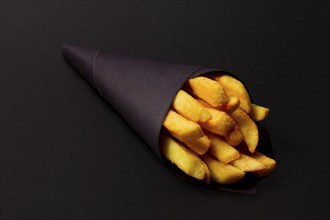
[{"x": 65, "y": 154}]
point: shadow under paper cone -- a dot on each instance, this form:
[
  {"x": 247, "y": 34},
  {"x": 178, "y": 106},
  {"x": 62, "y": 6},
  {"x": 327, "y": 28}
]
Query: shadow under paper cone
[{"x": 141, "y": 91}]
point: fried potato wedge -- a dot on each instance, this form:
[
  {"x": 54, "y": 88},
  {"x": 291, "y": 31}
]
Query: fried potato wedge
[
  {"x": 220, "y": 123},
  {"x": 247, "y": 163},
  {"x": 190, "y": 108},
  {"x": 258, "y": 113},
  {"x": 234, "y": 87},
  {"x": 221, "y": 150},
  {"x": 182, "y": 127},
  {"x": 267, "y": 161},
  {"x": 183, "y": 158},
  {"x": 200, "y": 145},
  {"x": 207, "y": 89},
  {"x": 248, "y": 128},
  {"x": 223, "y": 173}
]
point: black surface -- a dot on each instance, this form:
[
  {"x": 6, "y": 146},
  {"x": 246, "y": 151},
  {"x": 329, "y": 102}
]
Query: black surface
[{"x": 65, "y": 154}]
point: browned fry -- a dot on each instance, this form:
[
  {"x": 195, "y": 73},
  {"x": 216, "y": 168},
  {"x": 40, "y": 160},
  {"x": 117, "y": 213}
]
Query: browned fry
[
  {"x": 200, "y": 145},
  {"x": 231, "y": 106},
  {"x": 248, "y": 128},
  {"x": 234, "y": 87},
  {"x": 258, "y": 113},
  {"x": 235, "y": 137},
  {"x": 183, "y": 158},
  {"x": 190, "y": 108},
  {"x": 267, "y": 161},
  {"x": 220, "y": 149},
  {"x": 247, "y": 163},
  {"x": 220, "y": 123},
  {"x": 207, "y": 89},
  {"x": 207, "y": 178},
  {"x": 223, "y": 173},
  {"x": 182, "y": 127}
]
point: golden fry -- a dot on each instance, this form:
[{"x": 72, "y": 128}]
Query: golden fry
[
  {"x": 207, "y": 178},
  {"x": 248, "y": 128},
  {"x": 200, "y": 145},
  {"x": 182, "y": 127},
  {"x": 221, "y": 172},
  {"x": 234, "y": 87},
  {"x": 221, "y": 150},
  {"x": 268, "y": 162},
  {"x": 247, "y": 163},
  {"x": 258, "y": 113},
  {"x": 190, "y": 108},
  {"x": 232, "y": 105},
  {"x": 235, "y": 137},
  {"x": 209, "y": 90},
  {"x": 220, "y": 123},
  {"x": 183, "y": 158},
  {"x": 205, "y": 104}
]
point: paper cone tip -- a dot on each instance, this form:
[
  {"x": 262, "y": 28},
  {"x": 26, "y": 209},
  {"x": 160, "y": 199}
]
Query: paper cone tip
[{"x": 81, "y": 58}]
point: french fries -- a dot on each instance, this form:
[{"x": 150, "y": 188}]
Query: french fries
[
  {"x": 235, "y": 137},
  {"x": 182, "y": 127},
  {"x": 258, "y": 113},
  {"x": 186, "y": 160},
  {"x": 235, "y": 88},
  {"x": 209, "y": 90},
  {"x": 221, "y": 172},
  {"x": 200, "y": 145},
  {"x": 232, "y": 105},
  {"x": 248, "y": 129},
  {"x": 207, "y": 178},
  {"x": 220, "y": 123},
  {"x": 247, "y": 164},
  {"x": 221, "y": 150},
  {"x": 269, "y": 163},
  {"x": 212, "y": 134},
  {"x": 190, "y": 108}
]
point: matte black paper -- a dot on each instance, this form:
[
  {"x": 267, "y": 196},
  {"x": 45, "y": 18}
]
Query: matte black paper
[{"x": 141, "y": 91}]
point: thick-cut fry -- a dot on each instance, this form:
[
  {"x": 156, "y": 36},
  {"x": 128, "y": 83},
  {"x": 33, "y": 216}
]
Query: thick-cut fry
[
  {"x": 248, "y": 128},
  {"x": 232, "y": 105},
  {"x": 207, "y": 89},
  {"x": 221, "y": 150},
  {"x": 247, "y": 163},
  {"x": 190, "y": 108},
  {"x": 221, "y": 172},
  {"x": 268, "y": 162},
  {"x": 207, "y": 178},
  {"x": 183, "y": 158},
  {"x": 182, "y": 127},
  {"x": 258, "y": 113},
  {"x": 220, "y": 123},
  {"x": 200, "y": 145},
  {"x": 235, "y": 137},
  {"x": 233, "y": 87},
  {"x": 207, "y": 105}
]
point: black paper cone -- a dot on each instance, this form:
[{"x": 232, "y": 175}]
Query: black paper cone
[{"x": 141, "y": 91}]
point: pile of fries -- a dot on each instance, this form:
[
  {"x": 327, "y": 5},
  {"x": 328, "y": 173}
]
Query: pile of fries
[{"x": 210, "y": 131}]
